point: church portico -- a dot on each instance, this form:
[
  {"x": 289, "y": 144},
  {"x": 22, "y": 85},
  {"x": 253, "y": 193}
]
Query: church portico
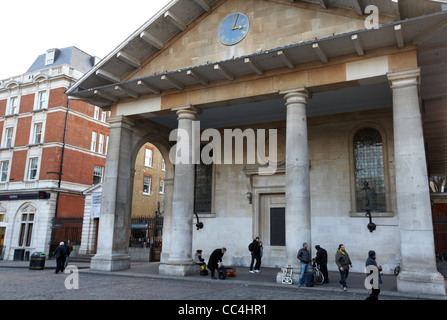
[{"x": 327, "y": 130}]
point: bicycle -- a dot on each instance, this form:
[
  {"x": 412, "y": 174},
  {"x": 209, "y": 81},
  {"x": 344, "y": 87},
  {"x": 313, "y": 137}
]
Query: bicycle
[{"x": 318, "y": 276}]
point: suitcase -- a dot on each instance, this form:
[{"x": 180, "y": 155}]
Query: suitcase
[{"x": 230, "y": 271}]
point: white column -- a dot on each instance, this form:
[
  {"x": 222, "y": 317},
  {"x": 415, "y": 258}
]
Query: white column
[
  {"x": 180, "y": 260},
  {"x": 114, "y": 221},
  {"x": 298, "y": 229},
  {"x": 419, "y": 273}
]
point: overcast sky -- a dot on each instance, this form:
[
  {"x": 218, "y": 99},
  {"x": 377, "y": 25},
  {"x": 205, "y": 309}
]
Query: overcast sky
[{"x": 29, "y": 27}]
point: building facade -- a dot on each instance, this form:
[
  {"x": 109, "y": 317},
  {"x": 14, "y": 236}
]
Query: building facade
[
  {"x": 339, "y": 91},
  {"x": 52, "y": 149}
]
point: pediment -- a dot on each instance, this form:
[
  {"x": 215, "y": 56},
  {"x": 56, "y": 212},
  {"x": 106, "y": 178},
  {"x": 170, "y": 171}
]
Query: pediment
[{"x": 180, "y": 45}]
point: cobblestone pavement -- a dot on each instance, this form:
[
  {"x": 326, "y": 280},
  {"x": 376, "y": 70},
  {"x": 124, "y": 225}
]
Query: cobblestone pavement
[{"x": 24, "y": 284}]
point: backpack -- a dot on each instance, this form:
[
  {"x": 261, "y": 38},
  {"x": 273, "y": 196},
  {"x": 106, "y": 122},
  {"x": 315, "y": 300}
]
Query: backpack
[{"x": 251, "y": 247}]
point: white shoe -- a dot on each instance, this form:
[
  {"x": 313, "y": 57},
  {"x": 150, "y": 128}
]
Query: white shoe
[
  {"x": 251, "y": 271},
  {"x": 257, "y": 271}
]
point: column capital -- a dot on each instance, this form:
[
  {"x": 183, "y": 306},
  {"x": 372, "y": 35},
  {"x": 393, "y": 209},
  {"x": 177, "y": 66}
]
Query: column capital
[
  {"x": 297, "y": 95},
  {"x": 187, "y": 112},
  {"x": 406, "y": 78},
  {"x": 121, "y": 122}
]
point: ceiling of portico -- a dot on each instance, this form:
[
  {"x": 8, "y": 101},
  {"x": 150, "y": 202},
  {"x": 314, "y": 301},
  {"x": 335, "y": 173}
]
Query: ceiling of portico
[{"x": 367, "y": 97}]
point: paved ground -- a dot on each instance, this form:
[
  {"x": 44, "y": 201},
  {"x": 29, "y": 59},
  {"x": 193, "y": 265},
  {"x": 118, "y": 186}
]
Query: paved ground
[{"x": 142, "y": 282}]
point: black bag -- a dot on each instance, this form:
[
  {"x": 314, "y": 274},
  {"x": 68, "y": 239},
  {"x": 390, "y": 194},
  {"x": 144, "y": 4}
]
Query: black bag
[
  {"x": 251, "y": 247},
  {"x": 309, "y": 279},
  {"x": 222, "y": 273},
  {"x": 203, "y": 270}
]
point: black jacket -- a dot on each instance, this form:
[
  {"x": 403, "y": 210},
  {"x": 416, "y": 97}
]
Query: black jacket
[
  {"x": 215, "y": 257},
  {"x": 60, "y": 252},
  {"x": 303, "y": 255},
  {"x": 321, "y": 257}
]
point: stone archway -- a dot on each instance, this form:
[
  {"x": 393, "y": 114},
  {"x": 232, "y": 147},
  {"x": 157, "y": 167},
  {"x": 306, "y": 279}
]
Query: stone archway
[{"x": 126, "y": 138}]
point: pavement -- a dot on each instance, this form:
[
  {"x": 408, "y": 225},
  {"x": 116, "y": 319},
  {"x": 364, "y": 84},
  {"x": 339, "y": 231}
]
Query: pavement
[{"x": 265, "y": 278}]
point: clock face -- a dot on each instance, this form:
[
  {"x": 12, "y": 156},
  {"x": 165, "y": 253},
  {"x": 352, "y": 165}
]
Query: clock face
[{"x": 233, "y": 28}]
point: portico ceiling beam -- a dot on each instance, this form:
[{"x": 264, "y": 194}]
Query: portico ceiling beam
[
  {"x": 204, "y": 5},
  {"x": 147, "y": 37},
  {"x": 105, "y": 95},
  {"x": 323, "y": 4},
  {"x": 126, "y": 91},
  {"x": 134, "y": 62},
  {"x": 107, "y": 75},
  {"x": 223, "y": 71},
  {"x": 172, "y": 82},
  {"x": 175, "y": 20},
  {"x": 198, "y": 77},
  {"x": 357, "y": 44},
  {"x": 253, "y": 66},
  {"x": 399, "y": 35},
  {"x": 148, "y": 87},
  {"x": 283, "y": 56},
  {"x": 320, "y": 53},
  {"x": 358, "y": 7}
]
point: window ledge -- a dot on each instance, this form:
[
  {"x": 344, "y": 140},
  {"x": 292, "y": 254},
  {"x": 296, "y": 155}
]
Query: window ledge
[{"x": 386, "y": 214}]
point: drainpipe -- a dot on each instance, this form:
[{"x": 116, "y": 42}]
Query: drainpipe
[{"x": 60, "y": 175}]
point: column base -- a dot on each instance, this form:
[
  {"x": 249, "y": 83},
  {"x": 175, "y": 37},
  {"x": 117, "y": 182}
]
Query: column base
[
  {"x": 110, "y": 262},
  {"x": 179, "y": 269},
  {"x": 420, "y": 282}
]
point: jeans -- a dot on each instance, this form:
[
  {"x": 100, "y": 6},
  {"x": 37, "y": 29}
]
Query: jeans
[
  {"x": 304, "y": 269},
  {"x": 343, "y": 277}
]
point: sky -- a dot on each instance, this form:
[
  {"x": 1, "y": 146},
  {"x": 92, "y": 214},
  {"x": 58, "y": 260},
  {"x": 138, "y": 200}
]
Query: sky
[{"x": 29, "y": 27}]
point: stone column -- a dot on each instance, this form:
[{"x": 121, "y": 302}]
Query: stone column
[
  {"x": 419, "y": 273},
  {"x": 114, "y": 221},
  {"x": 297, "y": 174},
  {"x": 180, "y": 260}
]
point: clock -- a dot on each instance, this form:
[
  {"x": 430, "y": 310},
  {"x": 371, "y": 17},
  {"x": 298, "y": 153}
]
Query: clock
[{"x": 233, "y": 28}]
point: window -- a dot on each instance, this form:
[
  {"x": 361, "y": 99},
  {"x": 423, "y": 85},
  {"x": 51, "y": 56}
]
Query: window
[
  {"x": 32, "y": 168},
  {"x": 37, "y": 133},
  {"x": 93, "y": 143},
  {"x": 148, "y": 153},
  {"x": 203, "y": 188},
  {"x": 101, "y": 143},
  {"x": 49, "y": 58},
  {"x": 4, "y": 167},
  {"x": 163, "y": 165},
  {"x": 107, "y": 144},
  {"x": 147, "y": 184},
  {"x": 162, "y": 186},
  {"x": 26, "y": 228},
  {"x": 7, "y": 139},
  {"x": 14, "y": 105},
  {"x": 97, "y": 174},
  {"x": 96, "y": 113},
  {"x": 41, "y": 100},
  {"x": 104, "y": 116},
  {"x": 369, "y": 171}
]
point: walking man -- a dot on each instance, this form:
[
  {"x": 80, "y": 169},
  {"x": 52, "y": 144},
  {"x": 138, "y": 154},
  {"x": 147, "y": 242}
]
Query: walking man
[
  {"x": 304, "y": 257},
  {"x": 251, "y": 247},
  {"x": 343, "y": 263},
  {"x": 371, "y": 261}
]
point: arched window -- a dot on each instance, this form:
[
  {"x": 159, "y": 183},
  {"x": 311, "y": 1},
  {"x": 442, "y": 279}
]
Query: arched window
[{"x": 369, "y": 171}]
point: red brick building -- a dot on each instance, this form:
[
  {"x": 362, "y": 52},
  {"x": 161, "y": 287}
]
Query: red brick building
[{"x": 52, "y": 149}]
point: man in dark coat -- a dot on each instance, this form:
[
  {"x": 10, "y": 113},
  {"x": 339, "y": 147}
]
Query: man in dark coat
[
  {"x": 215, "y": 260},
  {"x": 321, "y": 260},
  {"x": 252, "y": 248},
  {"x": 60, "y": 254},
  {"x": 371, "y": 261}
]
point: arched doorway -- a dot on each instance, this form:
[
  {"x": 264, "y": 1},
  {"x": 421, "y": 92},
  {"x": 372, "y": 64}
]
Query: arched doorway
[{"x": 148, "y": 205}]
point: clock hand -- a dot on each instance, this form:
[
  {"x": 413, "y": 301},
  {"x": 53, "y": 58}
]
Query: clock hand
[{"x": 235, "y": 20}]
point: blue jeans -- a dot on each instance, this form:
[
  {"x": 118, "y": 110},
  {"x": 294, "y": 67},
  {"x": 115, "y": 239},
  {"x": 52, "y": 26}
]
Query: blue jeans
[
  {"x": 304, "y": 269},
  {"x": 343, "y": 277}
]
